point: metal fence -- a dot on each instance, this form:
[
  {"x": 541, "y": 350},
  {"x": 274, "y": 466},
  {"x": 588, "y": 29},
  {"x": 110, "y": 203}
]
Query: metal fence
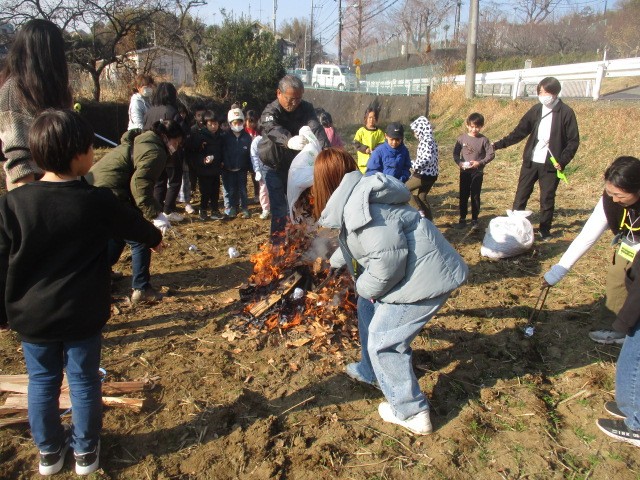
[{"x": 578, "y": 80}]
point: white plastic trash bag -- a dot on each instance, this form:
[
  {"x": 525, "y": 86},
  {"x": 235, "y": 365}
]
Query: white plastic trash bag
[
  {"x": 508, "y": 236},
  {"x": 301, "y": 171}
]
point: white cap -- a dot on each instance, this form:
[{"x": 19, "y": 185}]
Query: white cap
[{"x": 235, "y": 114}]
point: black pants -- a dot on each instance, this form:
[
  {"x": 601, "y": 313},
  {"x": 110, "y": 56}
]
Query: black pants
[
  {"x": 209, "y": 192},
  {"x": 167, "y": 196},
  {"x": 419, "y": 186},
  {"x": 470, "y": 186},
  {"x": 548, "y": 183}
]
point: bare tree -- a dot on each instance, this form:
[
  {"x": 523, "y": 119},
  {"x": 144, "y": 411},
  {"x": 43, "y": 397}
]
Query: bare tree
[
  {"x": 534, "y": 11},
  {"x": 419, "y": 18},
  {"x": 186, "y": 32}
]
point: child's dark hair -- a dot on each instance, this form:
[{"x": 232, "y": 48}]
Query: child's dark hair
[
  {"x": 56, "y": 137},
  {"x": 210, "y": 116},
  {"x": 169, "y": 128},
  {"x": 325, "y": 119},
  {"x": 252, "y": 115},
  {"x": 476, "y": 119},
  {"x": 624, "y": 173}
]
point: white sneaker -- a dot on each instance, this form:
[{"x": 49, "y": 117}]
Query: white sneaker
[
  {"x": 419, "y": 424},
  {"x": 189, "y": 209},
  {"x": 607, "y": 337},
  {"x": 265, "y": 214},
  {"x": 175, "y": 217}
]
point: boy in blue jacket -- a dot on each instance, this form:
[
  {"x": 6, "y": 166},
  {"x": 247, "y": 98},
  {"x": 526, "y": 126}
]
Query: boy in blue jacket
[{"x": 392, "y": 157}]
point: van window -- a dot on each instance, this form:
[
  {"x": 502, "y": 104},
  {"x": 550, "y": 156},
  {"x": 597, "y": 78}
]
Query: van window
[
  {"x": 336, "y": 72},
  {"x": 326, "y": 71},
  {"x": 318, "y": 69},
  {"x": 344, "y": 70}
]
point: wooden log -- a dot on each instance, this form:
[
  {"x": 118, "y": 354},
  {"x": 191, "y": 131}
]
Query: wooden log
[
  {"x": 17, "y": 384},
  {"x": 19, "y": 401},
  {"x": 286, "y": 286},
  {"x": 4, "y": 411},
  {"x": 13, "y": 421}
]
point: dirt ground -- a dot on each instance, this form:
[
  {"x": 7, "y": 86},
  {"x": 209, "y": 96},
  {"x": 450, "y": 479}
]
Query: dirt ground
[{"x": 239, "y": 403}]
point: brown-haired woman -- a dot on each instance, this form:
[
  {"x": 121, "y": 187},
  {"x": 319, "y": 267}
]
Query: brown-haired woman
[
  {"x": 404, "y": 271},
  {"x": 139, "y": 104}
]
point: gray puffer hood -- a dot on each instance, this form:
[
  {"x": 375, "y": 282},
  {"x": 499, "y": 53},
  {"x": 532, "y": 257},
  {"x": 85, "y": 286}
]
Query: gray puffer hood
[{"x": 354, "y": 196}]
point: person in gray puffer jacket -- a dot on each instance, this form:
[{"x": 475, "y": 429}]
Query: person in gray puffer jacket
[{"x": 404, "y": 271}]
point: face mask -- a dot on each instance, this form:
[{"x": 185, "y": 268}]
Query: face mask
[
  {"x": 546, "y": 100},
  {"x": 237, "y": 128},
  {"x": 147, "y": 91}
]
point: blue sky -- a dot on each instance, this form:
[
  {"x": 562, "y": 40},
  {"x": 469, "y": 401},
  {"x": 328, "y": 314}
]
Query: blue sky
[{"x": 326, "y": 12}]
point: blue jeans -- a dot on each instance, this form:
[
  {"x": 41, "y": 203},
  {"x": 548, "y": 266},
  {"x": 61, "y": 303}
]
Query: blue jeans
[
  {"x": 386, "y": 332},
  {"x": 235, "y": 184},
  {"x": 277, "y": 187},
  {"x": 628, "y": 379},
  {"x": 45, "y": 362},
  {"x": 140, "y": 261}
]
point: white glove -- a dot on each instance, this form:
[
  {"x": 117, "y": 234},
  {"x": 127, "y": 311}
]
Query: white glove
[
  {"x": 555, "y": 274},
  {"x": 305, "y": 130},
  {"x": 258, "y": 176},
  {"x": 297, "y": 143},
  {"x": 161, "y": 222}
]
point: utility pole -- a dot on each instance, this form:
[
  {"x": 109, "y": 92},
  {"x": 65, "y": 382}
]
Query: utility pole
[
  {"x": 339, "y": 32},
  {"x": 456, "y": 26},
  {"x": 275, "y": 8},
  {"x": 472, "y": 50},
  {"x": 311, "y": 35}
]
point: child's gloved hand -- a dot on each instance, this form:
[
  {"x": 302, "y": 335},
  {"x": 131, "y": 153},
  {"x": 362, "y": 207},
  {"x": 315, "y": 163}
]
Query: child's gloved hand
[
  {"x": 258, "y": 176},
  {"x": 297, "y": 142}
]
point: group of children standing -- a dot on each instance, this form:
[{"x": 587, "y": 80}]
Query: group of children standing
[
  {"x": 213, "y": 154},
  {"x": 386, "y": 153}
]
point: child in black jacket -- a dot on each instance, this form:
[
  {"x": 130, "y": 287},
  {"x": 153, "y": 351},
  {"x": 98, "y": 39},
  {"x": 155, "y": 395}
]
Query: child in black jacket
[
  {"x": 206, "y": 158},
  {"x": 55, "y": 287}
]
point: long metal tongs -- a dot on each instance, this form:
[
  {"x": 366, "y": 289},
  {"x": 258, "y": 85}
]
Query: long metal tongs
[{"x": 529, "y": 328}]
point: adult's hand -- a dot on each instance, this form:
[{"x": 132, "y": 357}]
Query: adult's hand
[
  {"x": 297, "y": 142},
  {"x": 162, "y": 223},
  {"x": 158, "y": 248}
]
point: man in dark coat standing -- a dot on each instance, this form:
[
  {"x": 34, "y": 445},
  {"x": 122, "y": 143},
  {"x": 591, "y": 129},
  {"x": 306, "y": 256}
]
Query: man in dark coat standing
[
  {"x": 553, "y": 132},
  {"x": 281, "y": 122}
]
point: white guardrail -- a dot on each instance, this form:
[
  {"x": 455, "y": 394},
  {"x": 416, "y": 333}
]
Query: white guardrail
[{"x": 577, "y": 79}]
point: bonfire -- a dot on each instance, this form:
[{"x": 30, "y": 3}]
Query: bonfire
[{"x": 294, "y": 290}]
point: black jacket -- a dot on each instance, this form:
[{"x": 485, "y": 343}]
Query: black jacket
[
  {"x": 564, "y": 139},
  {"x": 278, "y": 126},
  {"x": 201, "y": 144},
  {"x": 54, "y": 269}
]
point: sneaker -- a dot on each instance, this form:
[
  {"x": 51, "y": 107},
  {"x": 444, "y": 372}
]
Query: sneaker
[
  {"x": 462, "y": 223},
  {"x": 607, "y": 337},
  {"x": 265, "y": 214},
  {"x": 545, "y": 235},
  {"x": 215, "y": 215},
  {"x": 189, "y": 208},
  {"x": 618, "y": 429},
  {"x": 231, "y": 213},
  {"x": 246, "y": 213},
  {"x": 174, "y": 217},
  {"x": 87, "y": 463},
  {"x": 612, "y": 409},
  {"x": 475, "y": 225},
  {"x": 352, "y": 371},
  {"x": 147, "y": 295},
  {"x": 202, "y": 216},
  {"x": 52, "y": 463},
  {"x": 419, "y": 424}
]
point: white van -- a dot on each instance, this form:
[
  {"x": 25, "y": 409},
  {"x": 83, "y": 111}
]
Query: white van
[{"x": 333, "y": 76}]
